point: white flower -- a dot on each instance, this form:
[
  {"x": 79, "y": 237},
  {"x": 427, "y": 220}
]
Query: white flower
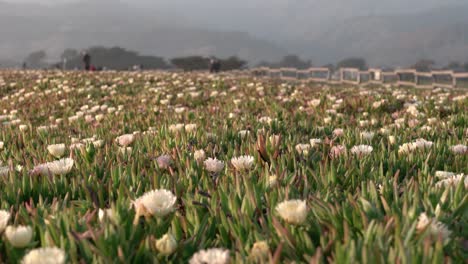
[
  {"x": 293, "y": 211},
  {"x": 4, "y": 217},
  {"x": 260, "y": 252},
  {"x": 23, "y": 128},
  {"x": 363, "y": 123},
  {"x": 337, "y": 151},
  {"x": 435, "y": 227},
  {"x": 459, "y": 149},
  {"x": 244, "y": 133},
  {"x": 421, "y": 143},
  {"x": 44, "y": 256},
  {"x": 272, "y": 181},
  {"x": 157, "y": 203},
  {"x": 367, "y": 135},
  {"x": 190, "y": 128},
  {"x": 423, "y": 222},
  {"x": 2, "y": 144},
  {"x": 176, "y": 127},
  {"x": 164, "y": 161},
  {"x": 453, "y": 180},
  {"x": 314, "y": 102},
  {"x": 243, "y": 162},
  {"x": 303, "y": 148},
  {"x": 444, "y": 174},
  {"x": 412, "y": 110},
  {"x": 338, "y": 132},
  {"x": 76, "y": 146},
  {"x": 361, "y": 150},
  {"x": 432, "y": 121},
  {"x": 214, "y": 165},
  {"x": 211, "y": 256},
  {"x": 265, "y": 119},
  {"x": 412, "y": 146},
  {"x": 125, "y": 140},
  {"x": 314, "y": 142},
  {"x": 56, "y": 150},
  {"x": 58, "y": 167},
  {"x": 20, "y": 236},
  {"x": 167, "y": 244},
  {"x": 98, "y": 143},
  {"x": 199, "y": 155},
  {"x": 99, "y": 117},
  {"x": 377, "y": 104},
  {"x": 406, "y": 148},
  {"x": 391, "y": 140}
]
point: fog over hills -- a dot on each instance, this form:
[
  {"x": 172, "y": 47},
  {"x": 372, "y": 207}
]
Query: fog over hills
[{"x": 394, "y": 33}]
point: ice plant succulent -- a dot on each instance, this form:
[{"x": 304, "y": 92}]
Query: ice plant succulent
[
  {"x": 214, "y": 165},
  {"x": 164, "y": 161},
  {"x": 4, "y": 217},
  {"x": 243, "y": 162},
  {"x": 453, "y": 181},
  {"x": 337, "y": 151},
  {"x": 361, "y": 150},
  {"x": 211, "y": 256},
  {"x": 293, "y": 211},
  {"x": 199, "y": 155},
  {"x": 125, "y": 140},
  {"x": 20, "y": 236},
  {"x": 434, "y": 227},
  {"x": 167, "y": 244},
  {"x": 459, "y": 149},
  {"x": 260, "y": 252},
  {"x": 303, "y": 148},
  {"x": 56, "y": 150},
  {"x": 58, "y": 167},
  {"x": 157, "y": 203},
  {"x": 46, "y": 255}
]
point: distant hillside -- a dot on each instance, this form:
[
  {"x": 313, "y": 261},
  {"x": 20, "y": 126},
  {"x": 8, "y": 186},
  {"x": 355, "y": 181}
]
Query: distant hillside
[
  {"x": 93, "y": 23},
  {"x": 440, "y": 34}
]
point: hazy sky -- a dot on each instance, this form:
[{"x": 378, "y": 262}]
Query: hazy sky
[
  {"x": 391, "y": 5},
  {"x": 323, "y": 30}
]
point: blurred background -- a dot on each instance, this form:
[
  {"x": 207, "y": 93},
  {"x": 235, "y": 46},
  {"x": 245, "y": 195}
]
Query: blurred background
[{"x": 385, "y": 33}]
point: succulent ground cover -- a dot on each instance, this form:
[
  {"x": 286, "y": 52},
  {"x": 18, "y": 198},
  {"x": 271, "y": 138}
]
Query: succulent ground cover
[{"x": 158, "y": 167}]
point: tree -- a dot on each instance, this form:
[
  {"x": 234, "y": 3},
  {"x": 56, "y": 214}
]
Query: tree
[
  {"x": 197, "y": 63},
  {"x": 232, "y": 63},
  {"x": 423, "y": 65},
  {"x": 293, "y": 61},
  {"x": 191, "y": 63},
  {"x": 69, "y": 54},
  {"x": 36, "y": 59},
  {"x": 359, "y": 63},
  {"x": 113, "y": 58}
]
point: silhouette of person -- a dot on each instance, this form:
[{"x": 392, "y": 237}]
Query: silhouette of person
[
  {"x": 87, "y": 61},
  {"x": 215, "y": 65}
]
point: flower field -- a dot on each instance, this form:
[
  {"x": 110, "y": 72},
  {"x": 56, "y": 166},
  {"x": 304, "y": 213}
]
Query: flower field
[{"x": 159, "y": 167}]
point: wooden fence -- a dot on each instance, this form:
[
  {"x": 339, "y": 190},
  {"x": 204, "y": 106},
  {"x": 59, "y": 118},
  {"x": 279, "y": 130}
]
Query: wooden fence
[{"x": 405, "y": 77}]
